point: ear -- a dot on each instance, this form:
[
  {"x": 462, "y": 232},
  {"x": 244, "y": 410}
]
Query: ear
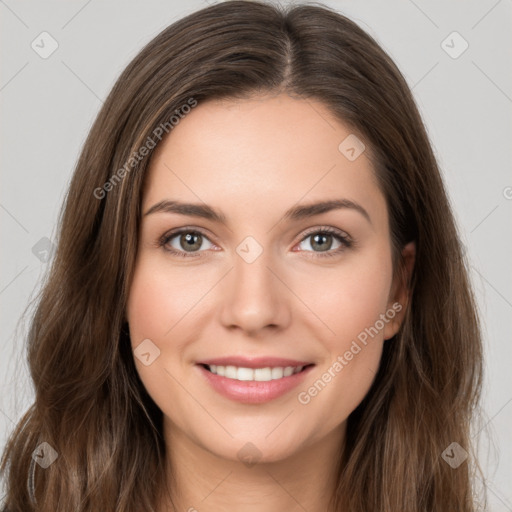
[{"x": 400, "y": 291}]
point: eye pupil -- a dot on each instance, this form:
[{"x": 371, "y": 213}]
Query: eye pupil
[{"x": 319, "y": 240}]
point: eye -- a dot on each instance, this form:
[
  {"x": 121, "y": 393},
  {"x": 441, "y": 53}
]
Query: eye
[
  {"x": 185, "y": 242},
  {"x": 321, "y": 241}
]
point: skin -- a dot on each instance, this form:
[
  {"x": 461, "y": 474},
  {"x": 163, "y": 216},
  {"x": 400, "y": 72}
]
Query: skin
[{"x": 252, "y": 160}]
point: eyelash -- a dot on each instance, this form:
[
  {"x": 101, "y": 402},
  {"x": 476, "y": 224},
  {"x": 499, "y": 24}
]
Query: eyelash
[{"x": 343, "y": 238}]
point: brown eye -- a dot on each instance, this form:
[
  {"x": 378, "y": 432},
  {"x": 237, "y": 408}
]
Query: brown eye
[
  {"x": 185, "y": 242},
  {"x": 325, "y": 242},
  {"x": 190, "y": 241}
]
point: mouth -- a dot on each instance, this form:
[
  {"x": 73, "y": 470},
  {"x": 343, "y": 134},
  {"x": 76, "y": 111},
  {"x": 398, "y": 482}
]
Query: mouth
[
  {"x": 253, "y": 381},
  {"x": 264, "y": 374}
]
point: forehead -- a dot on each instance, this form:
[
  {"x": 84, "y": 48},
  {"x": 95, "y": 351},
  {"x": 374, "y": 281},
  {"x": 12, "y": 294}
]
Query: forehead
[{"x": 266, "y": 151}]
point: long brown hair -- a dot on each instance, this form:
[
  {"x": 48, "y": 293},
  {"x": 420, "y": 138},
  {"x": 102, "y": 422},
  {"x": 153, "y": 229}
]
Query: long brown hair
[{"x": 90, "y": 404}]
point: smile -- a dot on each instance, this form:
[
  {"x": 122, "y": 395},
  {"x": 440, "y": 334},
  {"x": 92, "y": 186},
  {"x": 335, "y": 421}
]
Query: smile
[{"x": 255, "y": 385}]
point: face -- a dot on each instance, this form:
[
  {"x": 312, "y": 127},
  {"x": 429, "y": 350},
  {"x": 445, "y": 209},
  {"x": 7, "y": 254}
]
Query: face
[{"x": 253, "y": 283}]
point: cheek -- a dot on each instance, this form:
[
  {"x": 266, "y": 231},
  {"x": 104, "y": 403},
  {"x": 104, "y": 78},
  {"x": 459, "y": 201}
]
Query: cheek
[
  {"x": 159, "y": 299},
  {"x": 159, "y": 306},
  {"x": 166, "y": 305},
  {"x": 146, "y": 307},
  {"x": 351, "y": 306},
  {"x": 351, "y": 298}
]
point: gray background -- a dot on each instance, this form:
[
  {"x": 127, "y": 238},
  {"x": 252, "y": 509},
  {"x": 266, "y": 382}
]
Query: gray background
[{"x": 48, "y": 106}]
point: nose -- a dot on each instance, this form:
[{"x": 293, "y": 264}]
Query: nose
[{"x": 255, "y": 297}]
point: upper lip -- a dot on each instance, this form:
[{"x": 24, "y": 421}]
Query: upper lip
[{"x": 254, "y": 362}]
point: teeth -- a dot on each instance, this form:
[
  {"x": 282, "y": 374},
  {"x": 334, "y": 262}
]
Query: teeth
[
  {"x": 288, "y": 371},
  {"x": 262, "y": 374},
  {"x": 277, "y": 373},
  {"x": 254, "y": 374},
  {"x": 231, "y": 372}
]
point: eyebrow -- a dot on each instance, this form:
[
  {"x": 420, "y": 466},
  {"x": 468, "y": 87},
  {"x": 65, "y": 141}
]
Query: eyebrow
[{"x": 295, "y": 213}]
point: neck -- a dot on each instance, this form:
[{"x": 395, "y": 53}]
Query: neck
[{"x": 201, "y": 480}]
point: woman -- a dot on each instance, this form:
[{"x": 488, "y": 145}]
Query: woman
[{"x": 258, "y": 300}]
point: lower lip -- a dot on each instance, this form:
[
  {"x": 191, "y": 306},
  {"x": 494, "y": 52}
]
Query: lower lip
[{"x": 253, "y": 392}]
